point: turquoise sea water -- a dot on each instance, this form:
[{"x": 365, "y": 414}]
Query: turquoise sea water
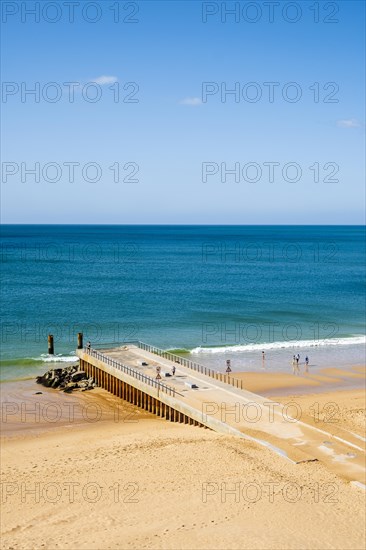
[{"x": 215, "y": 291}]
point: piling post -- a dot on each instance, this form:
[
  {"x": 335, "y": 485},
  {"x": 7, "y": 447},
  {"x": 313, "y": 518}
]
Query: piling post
[
  {"x": 51, "y": 350},
  {"x": 80, "y": 340}
]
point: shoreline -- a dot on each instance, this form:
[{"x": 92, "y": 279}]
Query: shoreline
[{"x": 278, "y": 359}]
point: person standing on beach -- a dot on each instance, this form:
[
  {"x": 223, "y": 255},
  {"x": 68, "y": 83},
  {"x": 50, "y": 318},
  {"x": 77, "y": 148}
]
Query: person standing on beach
[
  {"x": 297, "y": 364},
  {"x": 306, "y": 364},
  {"x": 293, "y": 364},
  {"x": 263, "y": 359},
  {"x": 297, "y": 359}
]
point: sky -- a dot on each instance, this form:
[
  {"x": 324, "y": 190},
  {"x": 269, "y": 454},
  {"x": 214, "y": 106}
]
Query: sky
[{"x": 132, "y": 121}]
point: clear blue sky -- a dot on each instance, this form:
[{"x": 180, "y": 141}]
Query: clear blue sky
[{"x": 170, "y": 131}]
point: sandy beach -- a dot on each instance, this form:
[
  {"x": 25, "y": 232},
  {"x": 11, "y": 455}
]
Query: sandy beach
[{"x": 113, "y": 476}]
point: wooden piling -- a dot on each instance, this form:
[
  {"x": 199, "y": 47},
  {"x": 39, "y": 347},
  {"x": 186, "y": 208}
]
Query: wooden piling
[
  {"x": 51, "y": 350},
  {"x": 80, "y": 340}
]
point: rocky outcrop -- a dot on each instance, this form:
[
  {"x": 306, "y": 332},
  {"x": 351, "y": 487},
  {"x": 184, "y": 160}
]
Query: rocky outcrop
[{"x": 67, "y": 379}]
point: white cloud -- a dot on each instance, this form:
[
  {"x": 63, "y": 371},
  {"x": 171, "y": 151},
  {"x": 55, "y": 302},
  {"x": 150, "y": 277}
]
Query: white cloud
[
  {"x": 349, "y": 123},
  {"x": 192, "y": 101},
  {"x": 104, "y": 80}
]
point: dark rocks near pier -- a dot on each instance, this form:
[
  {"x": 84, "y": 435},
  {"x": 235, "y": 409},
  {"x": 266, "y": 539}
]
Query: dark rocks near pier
[{"x": 67, "y": 379}]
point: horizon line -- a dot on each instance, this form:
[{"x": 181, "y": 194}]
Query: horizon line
[{"x": 191, "y": 224}]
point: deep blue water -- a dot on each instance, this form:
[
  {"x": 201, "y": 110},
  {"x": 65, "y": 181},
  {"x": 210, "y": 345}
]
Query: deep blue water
[{"x": 179, "y": 286}]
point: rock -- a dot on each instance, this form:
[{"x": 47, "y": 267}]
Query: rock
[
  {"x": 55, "y": 373},
  {"x": 70, "y": 387},
  {"x": 67, "y": 379},
  {"x": 55, "y": 383},
  {"x": 78, "y": 375}
]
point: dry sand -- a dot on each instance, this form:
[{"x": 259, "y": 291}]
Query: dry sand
[{"x": 143, "y": 482}]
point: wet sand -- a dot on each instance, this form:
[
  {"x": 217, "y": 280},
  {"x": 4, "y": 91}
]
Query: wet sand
[{"x": 273, "y": 383}]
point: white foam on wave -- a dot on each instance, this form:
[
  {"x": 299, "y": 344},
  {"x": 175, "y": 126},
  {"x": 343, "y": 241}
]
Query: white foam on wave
[
  {"x": 45, "y": 358},
  {"x": 283, "y": 345}
]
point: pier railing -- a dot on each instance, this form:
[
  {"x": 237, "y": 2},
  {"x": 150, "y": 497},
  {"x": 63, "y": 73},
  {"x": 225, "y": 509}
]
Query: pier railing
[
  {"x": 227, "y": 378},
  {"x": 131, "y": 372}
]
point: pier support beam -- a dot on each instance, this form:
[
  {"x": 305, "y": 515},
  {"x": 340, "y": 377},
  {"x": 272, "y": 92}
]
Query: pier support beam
[{"x": 135, "y": 396}]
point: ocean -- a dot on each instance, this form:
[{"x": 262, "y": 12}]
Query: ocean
[{"x": 213, "y": 292}]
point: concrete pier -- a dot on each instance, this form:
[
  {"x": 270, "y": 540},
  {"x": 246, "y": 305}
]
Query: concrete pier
[{"x": 195, "y": 397}]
